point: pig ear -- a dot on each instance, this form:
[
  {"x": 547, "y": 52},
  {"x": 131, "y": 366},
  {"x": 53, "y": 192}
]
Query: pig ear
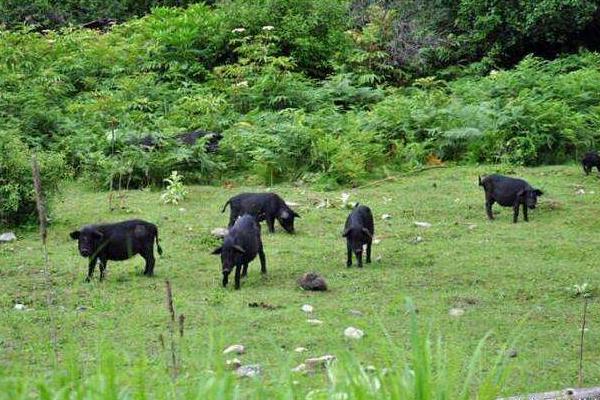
[
  {"x": 295, "y": 214},
  {"x": 98, "y": 234},
  {"x": 218, "y": 250},
  {"x": 75, "y": 235},
  {"x": 366, "y": 231},
  {"x": 538, "y": 192},
  {"x": 239, "y": 248},
  {"x": 346, "y": 232}
]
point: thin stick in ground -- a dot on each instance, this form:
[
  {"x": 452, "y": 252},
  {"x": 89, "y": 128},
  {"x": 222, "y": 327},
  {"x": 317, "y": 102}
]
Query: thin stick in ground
[
  {"x": 43, "y": 225},
  {"x": 585, "y": 304},
  {"x": 171, "y": 310}
]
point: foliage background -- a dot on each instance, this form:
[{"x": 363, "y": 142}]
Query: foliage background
[{"x": 330, "y": 92}]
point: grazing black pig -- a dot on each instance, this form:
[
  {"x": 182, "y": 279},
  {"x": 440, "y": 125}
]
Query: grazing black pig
[
  {"x": 118, "y": 241},
  {"x": 358, "y": 231},
  {"x": 590, "y": 159},
  {"x": 263, "y": 206},
  {"x": 240, "y": 246},
  {"x": 509, "y": 192}
]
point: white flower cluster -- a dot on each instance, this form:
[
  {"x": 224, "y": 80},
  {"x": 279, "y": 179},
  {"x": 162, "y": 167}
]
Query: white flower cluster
[{"x": 238, "y": 30}]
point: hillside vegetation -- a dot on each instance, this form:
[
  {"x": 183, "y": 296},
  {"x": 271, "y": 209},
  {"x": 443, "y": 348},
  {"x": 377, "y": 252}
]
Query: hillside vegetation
[{"x": 301, "y": 90}]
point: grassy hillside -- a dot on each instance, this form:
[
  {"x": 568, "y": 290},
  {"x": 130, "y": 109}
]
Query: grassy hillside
[{"x": 510, "y": 280}]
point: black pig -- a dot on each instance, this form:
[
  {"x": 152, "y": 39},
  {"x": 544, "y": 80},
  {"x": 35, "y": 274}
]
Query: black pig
[
  {"x": 190, "y": 138},
  {"x": 263, "y": 206},
  {"x": 590, "y": 159},
  {"x": 509, "y": 192},
  {"x": 118, "y": 241},
  {"x": 358, "y": 231},
  {"x": 240, "y": 246}
]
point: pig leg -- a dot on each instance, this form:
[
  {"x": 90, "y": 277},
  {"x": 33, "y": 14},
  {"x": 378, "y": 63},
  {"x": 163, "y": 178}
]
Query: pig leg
[
  {"x": 359, "y": 258},
  {"x": 225, "y": 279},
  {"x": 245, "y": 271},
  {"x": 369, "y": 251},
  {"x": 263, "y": 261},
  {"x": 488, "y": 208},
  {"x": 271, "y": 224},
  {"x": 516, "y": 212},
  {"x": 237, "y": 276},
  {"x": 149, "y": 269},
  {"x": 525, "y": 216},
  {"x": 349, "y": 262},
  {"x": 91, "y": 267},
  {"x": 102, "y": 268}
]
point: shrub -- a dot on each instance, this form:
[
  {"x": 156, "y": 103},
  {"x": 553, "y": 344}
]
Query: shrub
[
  {"x": 175, "y": 191},
  {"x": 17, "y": 199}
]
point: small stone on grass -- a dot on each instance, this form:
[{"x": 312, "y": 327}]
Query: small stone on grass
[
  {"x": 8, "y": 237},
  {"x": 456, "y": 312},
  {"x": 300, "y": 349},
  {"x": 323, "y": 361},
  {"x": 235, "y": 348},
  {"x": 248, "y": 371},
  {"x": 234, "y": 363},
  {"x": 353, "y": 333},
  {"x": 219, "y": 232},
  {"x": 307, "y": 308},
  {"x": 422, "y": 224}
]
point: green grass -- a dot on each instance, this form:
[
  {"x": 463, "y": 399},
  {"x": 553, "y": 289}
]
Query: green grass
[{"x": 510, "y": 279}]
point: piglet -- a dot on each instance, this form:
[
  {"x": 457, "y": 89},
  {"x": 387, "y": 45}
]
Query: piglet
[
  {"x": 240, "y": 246},
  {"x": 358, "y": 231},
  {"x": 263, "y": 206},
  {"x": 117, "y": 241},
  {"x": 509, "y": 192}
]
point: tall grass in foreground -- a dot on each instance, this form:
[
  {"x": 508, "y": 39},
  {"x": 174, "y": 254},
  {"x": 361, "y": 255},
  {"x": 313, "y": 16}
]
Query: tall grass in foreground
[{"x": 426, "y": 372}]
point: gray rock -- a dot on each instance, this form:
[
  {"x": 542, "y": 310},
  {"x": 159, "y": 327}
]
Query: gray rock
[
  {"x": 233, "y": 363},
  {"x": 356, "y": 313},
  {"x": 423, "y": 224},
  {"x": 8, "y": 237},
  {"x": 300, "y": 349},
  {"x": 20, "y": 307},
  {"x": 235, "y": 348},
  {"x": 300, "y": 368},
  {"x": 312, "y": 281},
  {"x": 512, "y": 353},
  {"x": 417, "y": 240},
  {"x": 456, "y": 312},
  {"x": 318, "y": 362},
  {"x": 248, "y": 371},
  {"x": 353, "y": 333},
  {"x": 307, "y": 308},
  {"x": 219, "y": 232}
]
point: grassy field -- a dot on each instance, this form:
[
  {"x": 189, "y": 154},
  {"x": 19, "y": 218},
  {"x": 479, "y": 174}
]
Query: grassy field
[{"x": 510, "y": 280}]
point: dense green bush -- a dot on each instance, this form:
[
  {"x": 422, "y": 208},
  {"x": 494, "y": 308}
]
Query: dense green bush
[
  {"x": 49, "y": 14},
  {"x": 257, "y": 81},
  {"x": 540, "y": 112},
  {"x": 17, "y": 197}
]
